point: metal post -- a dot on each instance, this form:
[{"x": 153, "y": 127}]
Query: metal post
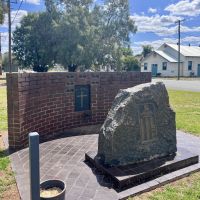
[
  {"x": 9, "y": 38},
  {"x": 34, "y": 166},
  {"x": 179, "y": 47}
]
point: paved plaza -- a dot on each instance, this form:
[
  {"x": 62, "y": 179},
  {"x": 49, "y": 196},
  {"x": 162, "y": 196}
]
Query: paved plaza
[{"x": 63, "y": 159}]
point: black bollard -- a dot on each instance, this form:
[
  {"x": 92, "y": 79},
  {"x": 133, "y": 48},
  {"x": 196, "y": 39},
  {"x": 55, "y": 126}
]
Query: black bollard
[{"x": 34, "y": 166}]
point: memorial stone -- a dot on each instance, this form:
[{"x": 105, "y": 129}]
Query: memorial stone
[{"x": 140, "y": 126}]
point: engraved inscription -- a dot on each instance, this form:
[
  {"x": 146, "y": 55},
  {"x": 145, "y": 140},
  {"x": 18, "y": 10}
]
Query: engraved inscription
[
  {"x": 147, "y": 122},
  {"x": 82, "y": 97}
]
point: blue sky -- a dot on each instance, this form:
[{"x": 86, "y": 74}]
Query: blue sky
[{"x": 155, "y": 20}]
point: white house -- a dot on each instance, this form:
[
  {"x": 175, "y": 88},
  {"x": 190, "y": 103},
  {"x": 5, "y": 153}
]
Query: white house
[{"x": 164, "y": 61}]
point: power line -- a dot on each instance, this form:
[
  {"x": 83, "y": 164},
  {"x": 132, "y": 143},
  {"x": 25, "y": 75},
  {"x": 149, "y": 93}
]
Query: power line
[{"x": 17, "y": 11}]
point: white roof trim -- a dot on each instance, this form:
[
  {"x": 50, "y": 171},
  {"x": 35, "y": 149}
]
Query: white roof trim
[
  {"x": 187, "y": 51},
  {"x": 163, "y": 55},
  {"x": 166, "y": 56}
]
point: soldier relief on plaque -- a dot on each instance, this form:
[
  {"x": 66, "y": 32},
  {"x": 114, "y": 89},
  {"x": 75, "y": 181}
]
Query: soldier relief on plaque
[
  {"x": 147, "y": 122},
  {"x": 140, "y": 126}
]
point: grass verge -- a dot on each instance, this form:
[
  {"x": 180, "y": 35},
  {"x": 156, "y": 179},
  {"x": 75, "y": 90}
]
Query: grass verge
[
  {"x": 187, "y": 108},
  {"x": 3, "y": 109},
  {"x": 8, "y": 189},
  {"x": 185, "y": 189}
]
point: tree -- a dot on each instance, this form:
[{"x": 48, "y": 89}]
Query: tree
[
  {"x": 3, "y": 10},
  {"x": 34, "y": 41},
  {"x": 127, "y": 51},
  {"x": 93, "y": 34},
  {"x": 74, "y": 39},
  {"x": 115, "y": 27},
  {"x": 130, "y": 63},
  {"x": 146, "y": 50},
  {"x": 74, "y": 33}
]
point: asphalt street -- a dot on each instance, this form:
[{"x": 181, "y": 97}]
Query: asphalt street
[{"x": 187, "y": 85}]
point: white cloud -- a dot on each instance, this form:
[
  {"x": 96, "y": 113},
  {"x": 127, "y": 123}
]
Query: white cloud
[
  {"x": 136, "y": 49},
  {"x": 161, "y": 25},
  {"x": 152, "y": 10},
  {"x": 185, "y": 8},
  {"x": 17, "y": 19},
  {"x": 155, "y": 44},
  {"x": 36, "y": 2},
  {"x": 186, "y": 29},
  {"x": 193, "y": 40}
]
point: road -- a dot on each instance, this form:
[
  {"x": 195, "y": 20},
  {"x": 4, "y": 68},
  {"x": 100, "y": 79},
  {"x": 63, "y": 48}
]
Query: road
[{"x": 187, "y": 85}]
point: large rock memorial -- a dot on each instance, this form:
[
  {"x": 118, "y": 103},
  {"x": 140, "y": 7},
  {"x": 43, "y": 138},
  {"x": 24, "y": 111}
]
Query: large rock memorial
[
  {"x": 139, "y": 127},
  {"x": 137, "y": 141}
]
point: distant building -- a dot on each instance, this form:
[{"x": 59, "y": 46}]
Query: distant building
[{"x": 164, "y": 61}]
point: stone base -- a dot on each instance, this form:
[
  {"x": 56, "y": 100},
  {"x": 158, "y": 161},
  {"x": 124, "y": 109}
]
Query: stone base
[{"x": 131, "y": 175}]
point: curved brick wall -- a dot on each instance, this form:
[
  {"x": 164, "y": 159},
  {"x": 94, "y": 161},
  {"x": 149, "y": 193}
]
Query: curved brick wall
[{"x": 44, "y": 102}]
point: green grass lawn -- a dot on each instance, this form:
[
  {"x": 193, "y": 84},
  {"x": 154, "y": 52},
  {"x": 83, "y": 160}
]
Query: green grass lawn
[
  {"x": 6, "y": 176},
  {"x": 3, "y": 109},
  {"x": 184, "y": 189},
  {"x": 187, "y": 108}
]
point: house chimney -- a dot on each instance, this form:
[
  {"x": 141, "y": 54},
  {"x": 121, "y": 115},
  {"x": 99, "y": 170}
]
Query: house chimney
[{"x": 189, "y": 45}]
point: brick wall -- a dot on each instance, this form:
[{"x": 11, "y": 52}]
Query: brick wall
[{"x": 44, "y": 102}]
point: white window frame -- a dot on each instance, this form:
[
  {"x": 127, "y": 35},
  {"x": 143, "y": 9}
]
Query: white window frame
[
  {"x": 190, "y": 65},
  {"x": 145, "y": 66},
  {"x": 164, "y": 64}
]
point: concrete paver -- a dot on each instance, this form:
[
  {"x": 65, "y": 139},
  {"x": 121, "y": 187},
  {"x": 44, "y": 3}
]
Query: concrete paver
[{"x": 64, "y": 159}]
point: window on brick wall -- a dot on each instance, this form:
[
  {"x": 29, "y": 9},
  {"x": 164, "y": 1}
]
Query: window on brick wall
[
  {"x": 145, "y": 66},
  {"x": 189, "y": 65},
  {"x": 82, "y": 97},
  {"x": 164, "y": 65}
]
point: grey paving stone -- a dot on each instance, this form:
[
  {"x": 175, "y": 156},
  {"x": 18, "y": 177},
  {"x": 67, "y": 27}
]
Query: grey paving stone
[{"x": 83, "y": 180}]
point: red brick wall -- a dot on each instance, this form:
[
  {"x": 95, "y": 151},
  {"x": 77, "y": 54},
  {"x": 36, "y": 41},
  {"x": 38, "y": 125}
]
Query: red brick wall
[{"x": 44, "y": 102}]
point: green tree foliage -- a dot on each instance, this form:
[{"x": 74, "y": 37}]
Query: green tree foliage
[
  {"x": 130, "y": 63},
  {"x": 34, "y": 41},
  {"x": 75, "y": 33},
  {"x": 127, "y": 51},
  {"x": 146, "y": 50},
  {"x": 115, "y": 29}
]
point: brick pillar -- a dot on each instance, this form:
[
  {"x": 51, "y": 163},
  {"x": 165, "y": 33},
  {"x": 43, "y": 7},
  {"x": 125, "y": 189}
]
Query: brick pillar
[{"x": 13, "y": 111}]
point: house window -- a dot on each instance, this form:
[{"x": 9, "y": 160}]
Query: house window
[
  {"x": 189, "y": 65},
  {"x": 145, "y": 66},
  {"x": 164, "y": 65}
]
